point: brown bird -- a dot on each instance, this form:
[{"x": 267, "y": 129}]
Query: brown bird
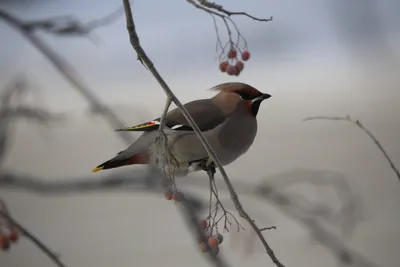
[{"x": 227, "y": 121}]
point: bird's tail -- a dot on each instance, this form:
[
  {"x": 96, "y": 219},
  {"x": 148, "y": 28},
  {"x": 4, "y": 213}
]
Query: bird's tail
[{"x": 115, "y": 162}]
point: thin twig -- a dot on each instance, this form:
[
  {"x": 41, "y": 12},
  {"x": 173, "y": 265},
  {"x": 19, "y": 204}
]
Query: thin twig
[
  {"x": 196, "y": 5},
  {"x": 25, "y": 232},
  {"x": 287, "y": 205},
  {"x": 135, "y": 42},
  {"x": 362, "y": 127},
  {"x": 192, "y": 220},
  {"x": 221, "y": 9},
  {"x": 140, "y": 180},
  {"x": 31, "y": 113},
  {"x": 67, "y": 71}
]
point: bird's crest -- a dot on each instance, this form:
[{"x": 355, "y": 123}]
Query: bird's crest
[{"x": 235, "y": 87}]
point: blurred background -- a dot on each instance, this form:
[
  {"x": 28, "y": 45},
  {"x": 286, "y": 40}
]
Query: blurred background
[{"x": 324, "y": 57}]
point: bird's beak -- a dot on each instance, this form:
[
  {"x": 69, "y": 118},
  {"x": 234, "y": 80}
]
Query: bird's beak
[{"x": 262, "y": 97}]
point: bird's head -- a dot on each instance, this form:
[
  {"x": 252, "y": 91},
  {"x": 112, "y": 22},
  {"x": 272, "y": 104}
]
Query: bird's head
[{"x": 244, "y": 92}]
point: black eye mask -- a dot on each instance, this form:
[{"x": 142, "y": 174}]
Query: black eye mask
[{"x": 247, "y": 96}]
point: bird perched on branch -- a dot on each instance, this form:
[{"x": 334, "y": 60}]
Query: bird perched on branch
[{"x": 227, "y": 121}]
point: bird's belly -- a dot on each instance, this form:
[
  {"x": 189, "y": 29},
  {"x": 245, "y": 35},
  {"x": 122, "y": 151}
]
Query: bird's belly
[
  {"x": 227, "y": 155},
  {"x": 232, "y": 141}
]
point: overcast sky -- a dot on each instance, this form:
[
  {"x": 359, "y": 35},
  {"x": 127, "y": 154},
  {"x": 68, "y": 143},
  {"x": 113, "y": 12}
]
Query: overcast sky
[{"x": 302, "y": 58}]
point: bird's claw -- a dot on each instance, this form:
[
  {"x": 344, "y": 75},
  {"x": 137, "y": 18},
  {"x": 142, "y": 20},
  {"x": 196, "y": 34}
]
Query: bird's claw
[{"x": 208, "y": 167}]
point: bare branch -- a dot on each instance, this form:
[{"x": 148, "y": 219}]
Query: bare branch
[
  {"x": 71, "y": 26},
  {"x": 361, "y": 126},
  {"x": 221, "y": 9},
  {"x": 67, "y": 71},
  {"x": 204, "y": 8},
  {"x": 287, "y": 204},
  {"x": 5, "y": 215},
  {"x": 135, "y": 42},
  {"x": 11, "y": 110},
  {"x": 350, "y": 210},
  {"x": 73, "y": 185},
  {"x": 31, "y": 113},
  {"x": 192, "y": 220},
  {"x": 107, "y": 20},
  {"x": 76, "y": 81},
  {"x": 149, "y": 182}
]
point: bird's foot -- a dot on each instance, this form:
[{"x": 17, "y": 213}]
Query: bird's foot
[{"x": 208, "y": 166}]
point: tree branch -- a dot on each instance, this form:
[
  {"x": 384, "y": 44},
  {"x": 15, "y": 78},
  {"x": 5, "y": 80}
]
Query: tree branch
[
  {"x": 67, "y": 71},
  {"x": 362, "y": 127},
  {"x": 31, "y": 113},
  {"x": 221, "y": 9},
  {"x": 287, "y": 204},
  {"x": 25, "y": 232},
  {"x": 70, "y": 74},
  {"x": 135, "y": 42}
]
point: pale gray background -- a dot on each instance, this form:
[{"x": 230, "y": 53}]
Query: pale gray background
[{"x": 303, "y": 58}]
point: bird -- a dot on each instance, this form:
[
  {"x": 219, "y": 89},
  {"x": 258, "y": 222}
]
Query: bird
[{"x": 228, "y": 121}]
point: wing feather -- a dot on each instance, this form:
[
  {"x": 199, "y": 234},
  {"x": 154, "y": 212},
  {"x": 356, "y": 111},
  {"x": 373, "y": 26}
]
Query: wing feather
[{"x": 205, "y": 114}]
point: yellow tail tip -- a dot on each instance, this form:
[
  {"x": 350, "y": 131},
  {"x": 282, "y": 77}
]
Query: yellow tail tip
[{"x": 97, "y": 169}]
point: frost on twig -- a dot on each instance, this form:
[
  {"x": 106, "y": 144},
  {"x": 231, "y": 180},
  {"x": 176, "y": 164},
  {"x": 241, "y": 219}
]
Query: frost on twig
[{"x": 368, "y": 132}]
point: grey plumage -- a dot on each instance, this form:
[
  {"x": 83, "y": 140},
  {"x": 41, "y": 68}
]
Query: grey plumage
[{"x": 227, "y": 121}]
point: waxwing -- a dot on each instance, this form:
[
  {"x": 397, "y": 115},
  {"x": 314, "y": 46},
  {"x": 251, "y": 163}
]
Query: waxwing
[{"x": 227, "y": 121}]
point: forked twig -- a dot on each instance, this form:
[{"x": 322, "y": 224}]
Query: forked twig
[
  {"x": 66, "y": 70},
  {"x": 221, "y": 9},
  {"x": 287, "y": 205},
  {"x": 362, "y": 127},
  {"x": 25, "y": 232},
  {"x": 135, "y": 42},
  {"x": 233, "y": 53}
]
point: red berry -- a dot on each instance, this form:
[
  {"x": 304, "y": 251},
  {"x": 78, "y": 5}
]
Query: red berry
[
  {"x": 232, "y": 70},
  {"x": 223, "y": 66},
  {"x": 212, "y": 242},
  {"x": 203, "y": 224},
  {"x": 245, "y": 55},
  {"x": 4, "y": 242},
  {"x": 14, "y": 236},
  {"x": 239, "y": 65},
  {"x": 168, "y": 195},
  {"x": 232, "y": 53}
]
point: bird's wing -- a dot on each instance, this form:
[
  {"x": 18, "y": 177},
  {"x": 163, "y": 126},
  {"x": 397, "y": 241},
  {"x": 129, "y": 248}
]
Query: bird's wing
[{"x": 205, "y": 114}]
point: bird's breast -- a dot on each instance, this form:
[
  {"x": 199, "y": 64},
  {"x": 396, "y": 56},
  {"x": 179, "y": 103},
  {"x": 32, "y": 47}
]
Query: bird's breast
[{"x": 236, "y": 136}]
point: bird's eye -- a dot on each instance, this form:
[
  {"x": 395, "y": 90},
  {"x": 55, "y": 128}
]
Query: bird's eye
[{"x": 244, "y": 95}]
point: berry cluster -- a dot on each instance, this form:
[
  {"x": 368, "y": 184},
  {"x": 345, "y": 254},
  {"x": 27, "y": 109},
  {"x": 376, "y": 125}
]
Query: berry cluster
[
  {"x": 232, "y": 65},
  {"x": 175, "y": 195},
  {"x": 213, "y": 241},
  {"x": 7, "y": 239},
  {"x": 170, "y": 190}
]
